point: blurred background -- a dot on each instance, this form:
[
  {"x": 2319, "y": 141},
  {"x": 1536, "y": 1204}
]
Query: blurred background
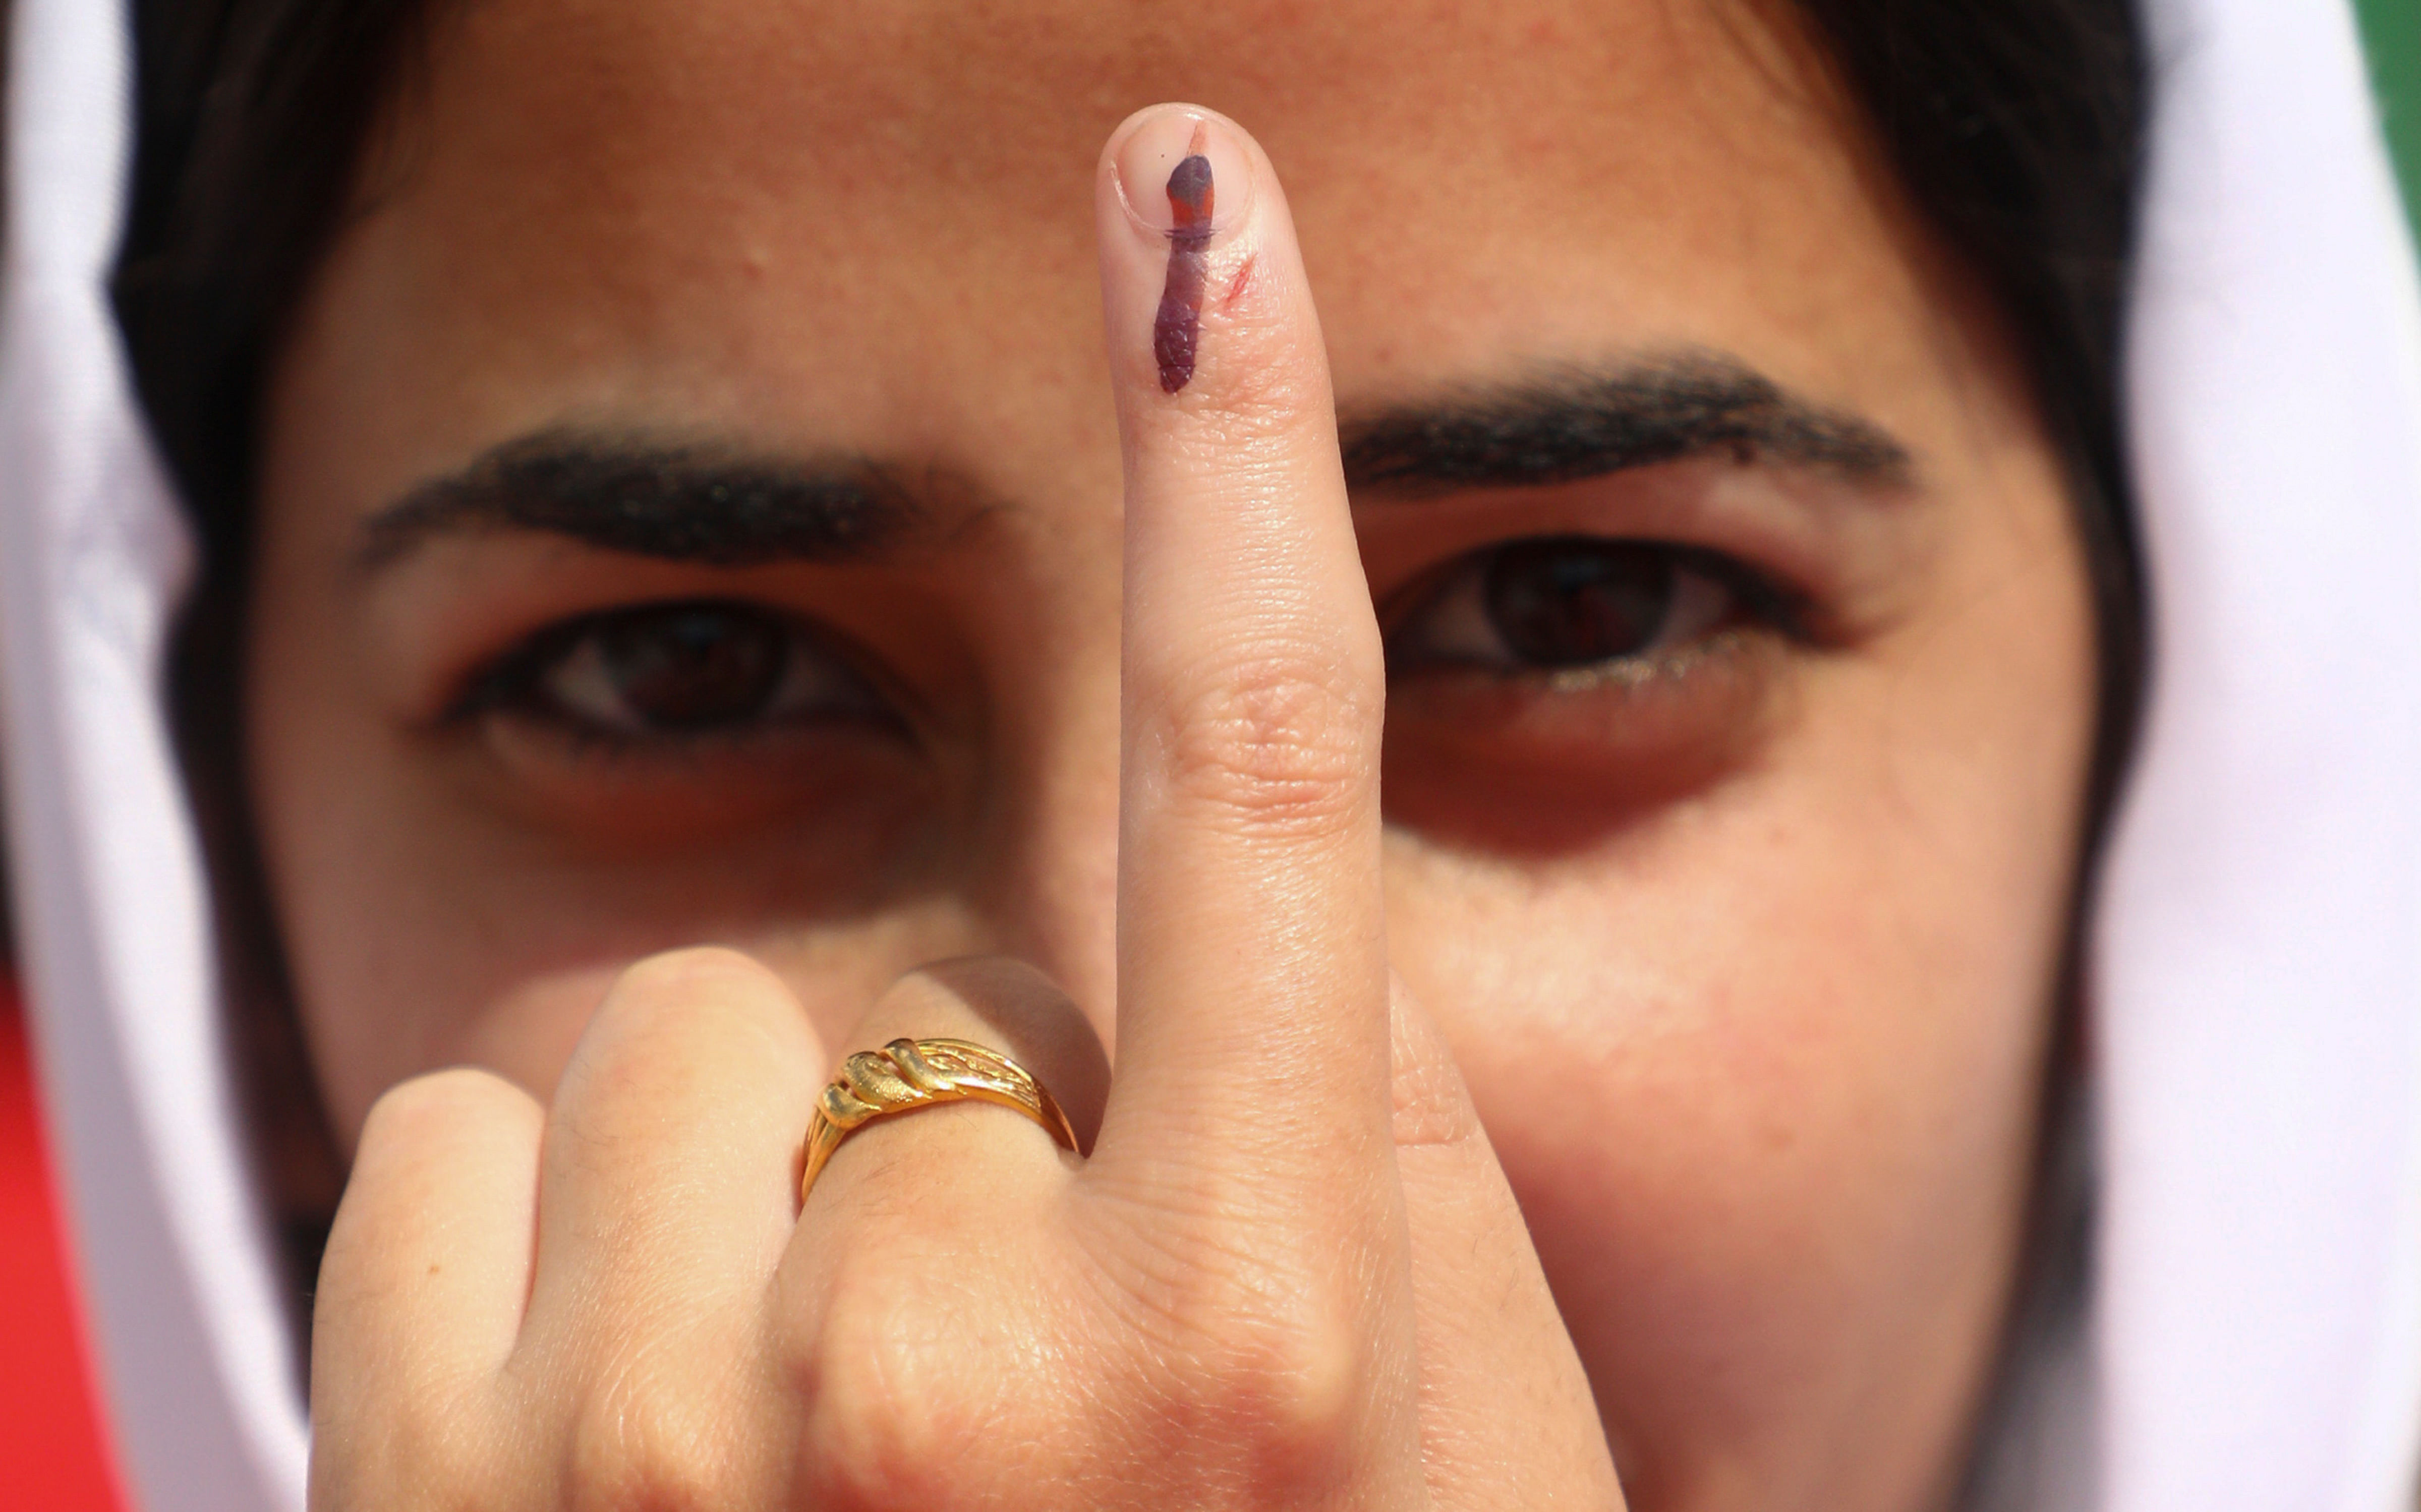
[{"x": 51, "y": 1450}]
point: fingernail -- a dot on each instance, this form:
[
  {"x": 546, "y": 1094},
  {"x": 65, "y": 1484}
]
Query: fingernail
[{"x": 1185, "y": 180}]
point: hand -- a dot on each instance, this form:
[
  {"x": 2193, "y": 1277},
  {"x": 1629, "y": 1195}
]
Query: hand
[{"x": 1290, "y": 1273}]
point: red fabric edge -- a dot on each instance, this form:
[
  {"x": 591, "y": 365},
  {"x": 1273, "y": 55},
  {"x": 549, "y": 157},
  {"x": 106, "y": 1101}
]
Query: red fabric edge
[{"x": 52, "y": 1454}]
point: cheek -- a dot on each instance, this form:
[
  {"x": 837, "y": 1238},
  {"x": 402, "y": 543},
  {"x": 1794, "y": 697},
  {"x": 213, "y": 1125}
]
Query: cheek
[
  {"x": 324, "y": 824},
  {"x": 1764, "y": 1070}
]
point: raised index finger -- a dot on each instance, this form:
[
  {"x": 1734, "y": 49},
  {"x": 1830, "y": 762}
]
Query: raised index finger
[{"x": 1252, "y": 969}]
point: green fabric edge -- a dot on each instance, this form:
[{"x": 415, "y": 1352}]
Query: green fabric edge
[{"x": 2392, "y": 31}]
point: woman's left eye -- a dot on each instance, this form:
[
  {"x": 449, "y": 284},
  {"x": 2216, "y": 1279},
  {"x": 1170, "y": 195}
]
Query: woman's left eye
[
  {"x": 669, "y": 671},
  {"x": 1566, "y": 604}
]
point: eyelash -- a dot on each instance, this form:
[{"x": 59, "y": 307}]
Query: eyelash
[
  {"x": 1460, "y": 600},
  {"x": 1452, "y": 601},
  {"x": 791, "y": 657}
]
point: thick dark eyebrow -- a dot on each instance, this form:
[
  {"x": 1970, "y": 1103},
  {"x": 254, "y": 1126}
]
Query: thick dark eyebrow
[
  {"x": 1567, "y": 425},
  {"x": 677, "y": 503}
]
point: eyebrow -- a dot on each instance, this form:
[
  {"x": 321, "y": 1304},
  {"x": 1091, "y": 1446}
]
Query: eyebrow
[
  {"x": 679, "y": 503},
  {"x": 1567, "y": 425},
  {"x": 722, "y": 506}
]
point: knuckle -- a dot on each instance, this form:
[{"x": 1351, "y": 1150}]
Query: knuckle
[
  {"x": 644, "y": 1444},
  {"x": 1270, "y": 1354},
  {"x": 1296, "y": 1396},
  {"x": 1287, "y": 1378},
  {"x": 431, "y": 1450},
  {"x": 696, "y": 973},
  {"x": 901, "y": 1405},
  {"x": 1281, "y": 743},
  {"x": 674, "y": 1026},
  {"x": 442, "y": 1103}
]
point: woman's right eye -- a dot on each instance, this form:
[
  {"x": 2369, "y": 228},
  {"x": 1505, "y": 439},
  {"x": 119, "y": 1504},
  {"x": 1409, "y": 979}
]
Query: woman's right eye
[{"x": 673, "y": 670}]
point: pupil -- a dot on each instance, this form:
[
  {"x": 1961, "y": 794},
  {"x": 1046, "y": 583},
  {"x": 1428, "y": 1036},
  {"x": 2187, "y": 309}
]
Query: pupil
[
  {"x": 693, "y": 667},
  {"x": 1573, "y": 601}
]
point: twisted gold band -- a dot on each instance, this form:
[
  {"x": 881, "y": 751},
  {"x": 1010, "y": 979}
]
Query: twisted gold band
[{"x": 908, "y": 1074}]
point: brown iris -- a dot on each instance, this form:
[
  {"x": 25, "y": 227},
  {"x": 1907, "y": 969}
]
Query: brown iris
[{"x": 1575, "y": 602}]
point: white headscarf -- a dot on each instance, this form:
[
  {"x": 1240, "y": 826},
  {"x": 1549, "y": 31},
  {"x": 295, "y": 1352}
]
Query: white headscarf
[{"x": 2256, "y": 999}]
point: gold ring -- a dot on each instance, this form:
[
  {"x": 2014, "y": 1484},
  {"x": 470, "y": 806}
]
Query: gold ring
[{"x": 908, "y": 1074}]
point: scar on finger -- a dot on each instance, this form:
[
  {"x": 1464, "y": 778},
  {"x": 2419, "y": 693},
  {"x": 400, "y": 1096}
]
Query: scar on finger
[
  {"x": 1242, "y": 280},
  {"x": 1177, "y": 327}
]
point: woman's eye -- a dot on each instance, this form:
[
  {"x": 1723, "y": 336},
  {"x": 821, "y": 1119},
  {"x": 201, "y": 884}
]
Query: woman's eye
[
  {"x": 679, "y": 669},
  {"x": 1565, "y": 602}
]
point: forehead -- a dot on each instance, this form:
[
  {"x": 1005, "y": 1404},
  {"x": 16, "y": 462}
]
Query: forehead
[
  {"x": 850, "y": 85},
  {"x": 612, "y": 204}
]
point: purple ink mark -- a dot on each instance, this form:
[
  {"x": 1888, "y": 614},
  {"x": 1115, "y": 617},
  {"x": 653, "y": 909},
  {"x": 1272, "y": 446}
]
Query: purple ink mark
[{"x": 1177, "y": 327}]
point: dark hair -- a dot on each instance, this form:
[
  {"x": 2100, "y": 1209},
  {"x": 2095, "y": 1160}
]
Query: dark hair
[
  {"x": 2014, "y": 127},
  {"x": 2017, "y": 127}
]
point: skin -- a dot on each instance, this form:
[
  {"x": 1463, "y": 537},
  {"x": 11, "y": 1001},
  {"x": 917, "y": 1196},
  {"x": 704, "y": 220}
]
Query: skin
[{"x": 1744, "y": 950}]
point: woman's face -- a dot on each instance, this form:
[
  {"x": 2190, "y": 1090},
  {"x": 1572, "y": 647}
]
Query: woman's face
[{"x": 1733, "y": 858}]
